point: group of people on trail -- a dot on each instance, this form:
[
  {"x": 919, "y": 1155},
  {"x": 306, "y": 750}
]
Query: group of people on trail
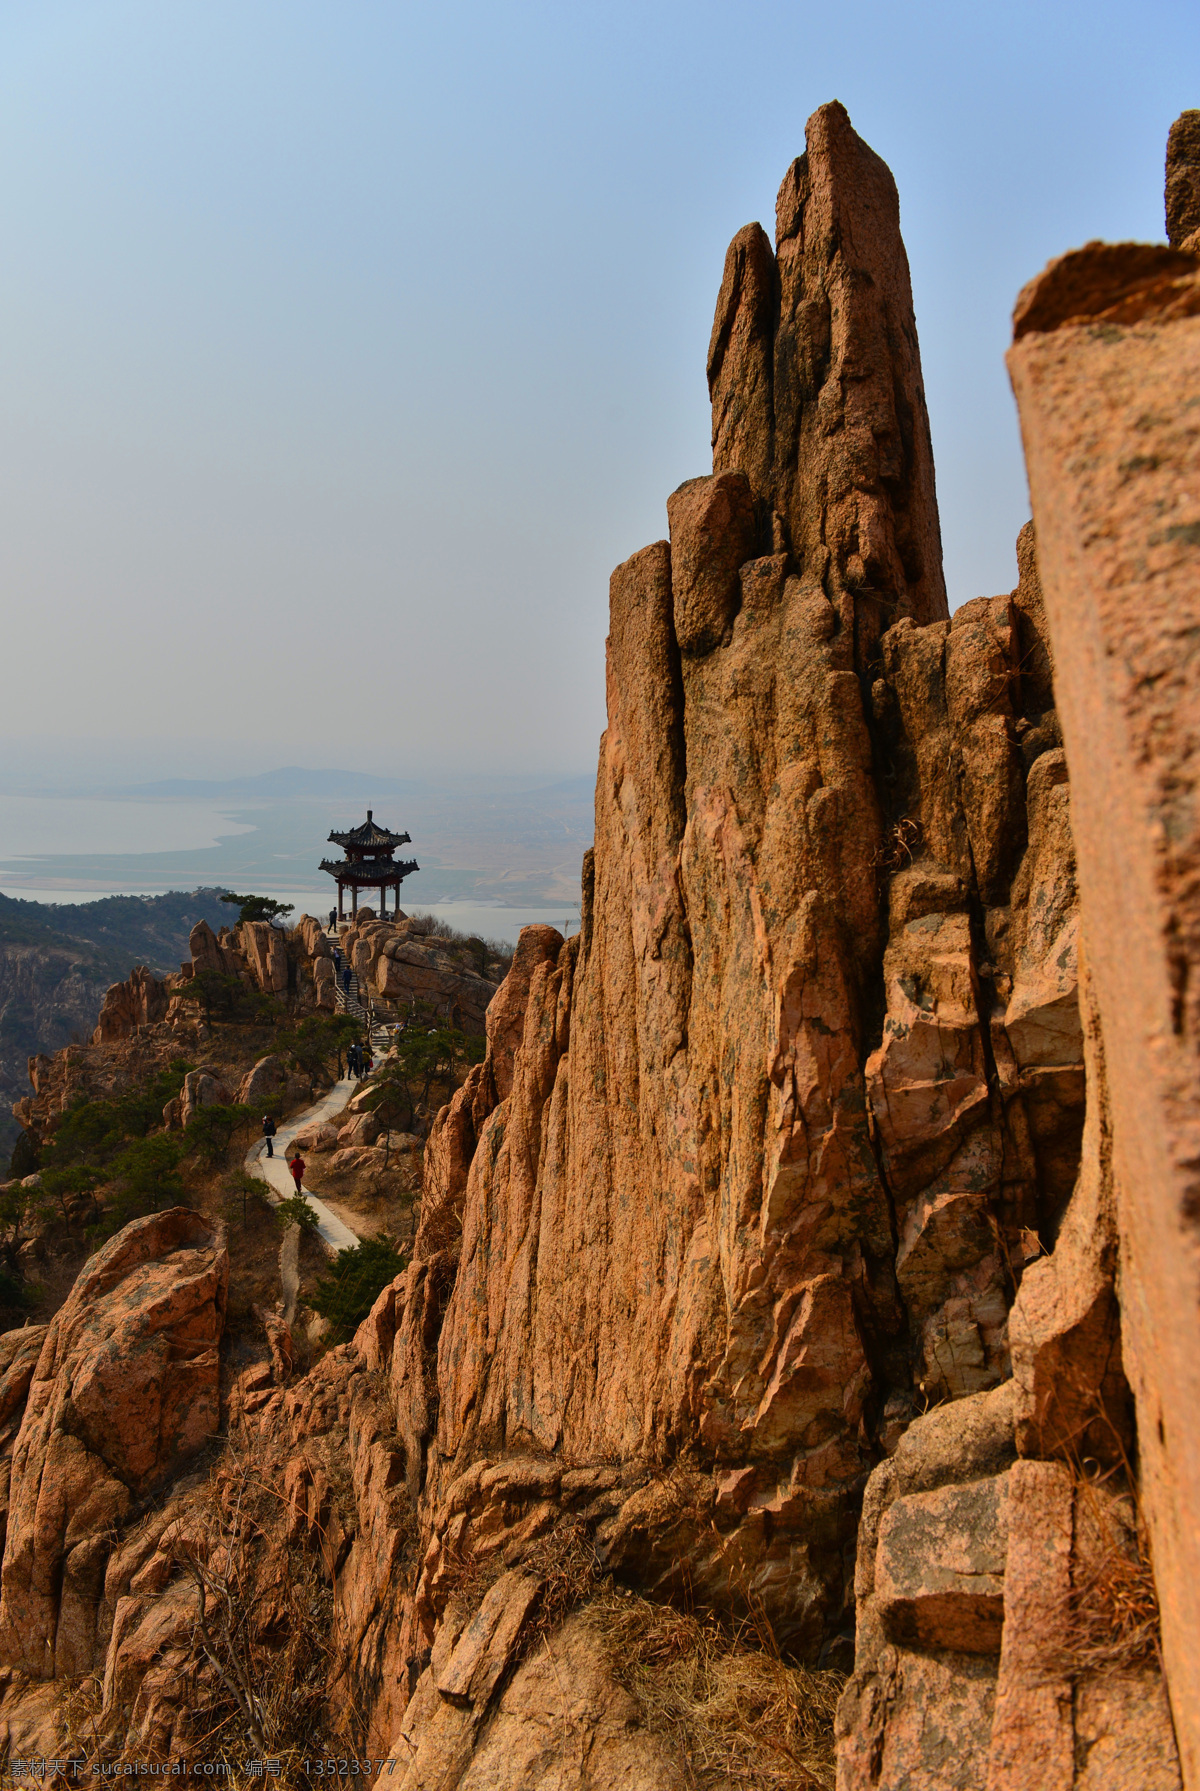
[
  {"x": 359, "y": 1061},
  {"x": 296, "y": 1164},
  {"x": 342, "y": 970}
]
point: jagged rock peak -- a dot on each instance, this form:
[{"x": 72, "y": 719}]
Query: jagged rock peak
[
  {"x": 1183, "y": 180},
  {"x": 814, "y": 370}
]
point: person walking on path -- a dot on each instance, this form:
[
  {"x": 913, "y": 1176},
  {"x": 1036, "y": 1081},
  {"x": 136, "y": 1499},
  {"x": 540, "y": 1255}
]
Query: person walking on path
[
  {"x": 269, "y": 1133},
  {"x": 346, "y": 980},
  {"x": 297, "y": 1167},
  {"x": 332, "y": 919}
]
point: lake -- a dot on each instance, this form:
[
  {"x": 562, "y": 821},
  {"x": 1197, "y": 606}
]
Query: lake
[{"x": 489, "y": 866}]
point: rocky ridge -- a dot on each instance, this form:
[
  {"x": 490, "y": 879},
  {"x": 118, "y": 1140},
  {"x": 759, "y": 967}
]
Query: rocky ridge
[{"x": 777, "y": 1259}]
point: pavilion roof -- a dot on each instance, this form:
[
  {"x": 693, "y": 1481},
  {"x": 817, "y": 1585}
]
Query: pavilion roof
[
  {"x": 371, "y": 871},
  {"x": 369, "y": 836}
]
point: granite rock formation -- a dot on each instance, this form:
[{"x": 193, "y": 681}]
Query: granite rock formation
[
  {"x": 1183, "y": 182},
  {"x": 786, "y": 1251},
  {"x": 1120, "y": 547},
  {"x": 124, "y": 1388}
]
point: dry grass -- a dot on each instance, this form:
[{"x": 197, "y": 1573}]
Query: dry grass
[
  {"x": 264, "y": 1624},
  {"x": 1111, "y": 1623},
  {"x": 259, "y": 1666},
  {"x": 899, "y": 846},
  {"x": 732, "y": 1711}
]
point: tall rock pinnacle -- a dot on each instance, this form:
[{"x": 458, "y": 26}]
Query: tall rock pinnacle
[
  {"x": 1183, "y": 179},
  {"x": 815, "y": 376}
]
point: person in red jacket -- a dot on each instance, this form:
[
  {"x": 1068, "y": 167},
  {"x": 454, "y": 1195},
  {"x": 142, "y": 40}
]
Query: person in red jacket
[{"x": 297, "y": 1166}]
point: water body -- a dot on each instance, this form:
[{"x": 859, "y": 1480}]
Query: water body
[
  {"x": 34, "y": 826},
  {"x": 489, "y": 865}
]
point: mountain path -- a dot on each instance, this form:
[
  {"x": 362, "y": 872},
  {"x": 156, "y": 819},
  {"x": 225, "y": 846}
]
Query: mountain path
[{"x": 334, "y": 1234}]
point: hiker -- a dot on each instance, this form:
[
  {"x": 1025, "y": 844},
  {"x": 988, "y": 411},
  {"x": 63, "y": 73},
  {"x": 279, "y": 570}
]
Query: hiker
[
  {"x": 269, "y": 1133},
  {"x": 353, "y": 1058},
  {"x": 297, "y": 1167},
  {"x": 368, "y": 1062},
  {"x": 332, "y": 919},
  {"x": 346, "y": 980}
]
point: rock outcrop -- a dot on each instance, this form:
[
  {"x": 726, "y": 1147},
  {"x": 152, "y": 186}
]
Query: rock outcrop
[
  {"x": 138, "y": 1002},
  {"x": 787, "y": 1252},
  {"x": 793, "y": 1107},
  {"x": 123, "y": 1390},
  {"x": 400, "y": 963},
  {"x": 1183, "y": 182},
  {"x": 1107, "y": 387}
]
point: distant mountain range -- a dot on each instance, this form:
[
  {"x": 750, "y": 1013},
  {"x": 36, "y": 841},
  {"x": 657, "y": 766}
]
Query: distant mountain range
[
  {"x": 275, "y": 786},
  {"x": 296, "y": 782}
]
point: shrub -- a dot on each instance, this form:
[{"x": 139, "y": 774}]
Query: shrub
[
  {"x": 355, "y": 1280},
  {"x": 317, "y": 1041},
  {"x": 256, "y": 907},
  {"x": 209, "y": 1132},
  {"x": 296, "y": 1211},
  {"x": 26, "y": 1155},
  {"x": 148, "y": 1168}
]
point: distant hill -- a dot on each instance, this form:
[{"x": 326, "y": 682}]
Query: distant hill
[
  {"x": 56, "y": 961},
  {"x": 295, "y": 782},
  {"x": 276, "y": 786}
]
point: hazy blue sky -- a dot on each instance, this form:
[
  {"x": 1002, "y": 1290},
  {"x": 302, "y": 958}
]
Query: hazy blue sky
[{"x": 345, "y": 346}]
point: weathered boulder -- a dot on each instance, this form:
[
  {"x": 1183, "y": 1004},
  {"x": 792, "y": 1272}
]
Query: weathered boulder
[
  {"x": 139, "y": 1001},
  {"x": 125, "y": 1388},
  {"x": 206, "y": 953},
  {"x": 558, "y": 1704},
  {"x": 314, "y": 940},
  {"x": 369, "y": 1171},
  {"x": 317, "y": 1137},
  {"x": 325, "y": 984},
  {"x": 364, "y": 1128},
  {"x": 265, "y": 950},
  {"x": 713, "y": 533},
  {"x": 269, "y": 1077},
  {"x": 202, "y": 1088},
  {"x": 411, "y": 970}
]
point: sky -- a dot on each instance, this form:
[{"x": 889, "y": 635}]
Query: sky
[{"x": 347, "y": 345}]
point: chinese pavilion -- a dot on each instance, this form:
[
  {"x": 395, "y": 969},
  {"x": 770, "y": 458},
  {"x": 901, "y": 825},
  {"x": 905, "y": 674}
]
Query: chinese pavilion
[{"x": 369, "y": 863}]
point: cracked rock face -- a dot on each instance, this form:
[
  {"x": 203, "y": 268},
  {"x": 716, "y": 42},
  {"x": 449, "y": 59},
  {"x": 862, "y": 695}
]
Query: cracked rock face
[
  {"x": 123, "y": 1390},
  {"x": 759, "y": 1167},
  {"x": 783, "y": 1149}
]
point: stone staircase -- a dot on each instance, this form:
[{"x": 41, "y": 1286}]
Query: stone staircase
[{"x": 362, "y": 1004}]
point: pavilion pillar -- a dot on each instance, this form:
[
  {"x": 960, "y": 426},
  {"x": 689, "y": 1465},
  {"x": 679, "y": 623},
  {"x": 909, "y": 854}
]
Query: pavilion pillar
[{"x": 353, "y": 900}]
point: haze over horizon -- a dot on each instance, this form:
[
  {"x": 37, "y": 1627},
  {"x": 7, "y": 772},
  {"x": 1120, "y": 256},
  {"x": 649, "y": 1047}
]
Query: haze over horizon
[{"x": 347, "y": 351}]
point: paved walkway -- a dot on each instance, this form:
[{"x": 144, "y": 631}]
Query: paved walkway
[{"x": 274, "y": 1170}]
